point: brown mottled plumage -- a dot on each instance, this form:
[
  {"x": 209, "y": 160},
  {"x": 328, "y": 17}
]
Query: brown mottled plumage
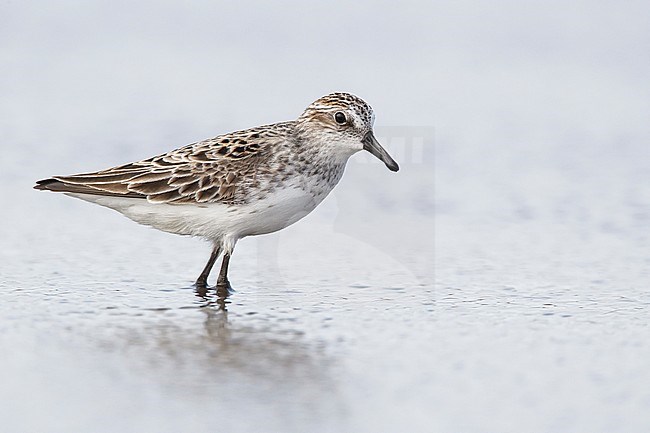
[{"x": 210, "y": 171}]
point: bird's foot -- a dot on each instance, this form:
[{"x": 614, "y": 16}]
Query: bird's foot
[
  {"x": 224, "y": 288},
  {"x": 201, "y": 288}
]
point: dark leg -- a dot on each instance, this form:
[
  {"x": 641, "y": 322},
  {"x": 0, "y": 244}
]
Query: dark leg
[
  {"x": 202, "y": 281},
  {"x": 223, "y": 274}
]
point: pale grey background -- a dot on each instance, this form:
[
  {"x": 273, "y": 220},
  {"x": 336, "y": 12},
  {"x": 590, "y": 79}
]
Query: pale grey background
[{"x": 522, "y": 131}]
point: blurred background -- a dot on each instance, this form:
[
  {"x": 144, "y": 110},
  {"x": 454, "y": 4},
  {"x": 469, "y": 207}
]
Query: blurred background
[{"x": 497, "y": 282}]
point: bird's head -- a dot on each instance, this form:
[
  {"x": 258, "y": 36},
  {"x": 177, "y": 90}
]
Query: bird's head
[{"x": 343, "y": 123}]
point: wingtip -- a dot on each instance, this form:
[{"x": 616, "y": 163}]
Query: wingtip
[{"x": 43, "y": 184}]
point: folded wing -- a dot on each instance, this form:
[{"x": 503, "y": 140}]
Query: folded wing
[{"x": 204, "y": 172}]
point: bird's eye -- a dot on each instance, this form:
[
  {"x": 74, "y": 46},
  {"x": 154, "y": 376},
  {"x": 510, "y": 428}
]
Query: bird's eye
[{"x": 340, "y": 118}]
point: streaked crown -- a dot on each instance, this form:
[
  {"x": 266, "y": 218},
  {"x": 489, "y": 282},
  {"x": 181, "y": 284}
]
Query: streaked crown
[
  {"x": 337, "y": 116},
  {"x": 341, "y": 101}
]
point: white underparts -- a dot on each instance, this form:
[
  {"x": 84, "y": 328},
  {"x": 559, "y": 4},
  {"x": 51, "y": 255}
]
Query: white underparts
[{"x": 222, "y": 224}]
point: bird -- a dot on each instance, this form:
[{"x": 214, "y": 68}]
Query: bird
[{"x": 244, "y": 183}]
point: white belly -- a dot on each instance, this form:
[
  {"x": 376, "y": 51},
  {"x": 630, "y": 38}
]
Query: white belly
[{"x": 218, "y": 222}]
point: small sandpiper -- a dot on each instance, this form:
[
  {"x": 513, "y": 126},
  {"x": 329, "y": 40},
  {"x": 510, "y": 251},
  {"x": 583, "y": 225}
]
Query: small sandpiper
[{"x": 244, "y": 183}]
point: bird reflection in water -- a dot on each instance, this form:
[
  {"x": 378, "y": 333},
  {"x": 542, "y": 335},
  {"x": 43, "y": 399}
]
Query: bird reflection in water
[
  {"x": 213, "y": 303},
  {"x": 216, "y": 297}
]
